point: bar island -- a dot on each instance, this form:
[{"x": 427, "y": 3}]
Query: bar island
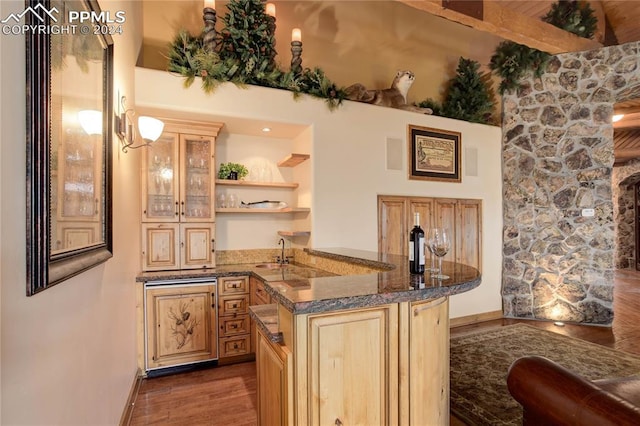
[{"x": 368, "y": 349}]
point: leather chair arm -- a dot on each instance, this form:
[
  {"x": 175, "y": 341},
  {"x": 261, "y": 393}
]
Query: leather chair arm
[{"x": 552, "y": 395}]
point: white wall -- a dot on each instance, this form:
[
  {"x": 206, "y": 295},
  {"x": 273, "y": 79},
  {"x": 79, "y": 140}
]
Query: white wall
[
  {"x": 348, "y": 164},
  {"x": 68, "y": 353},
  {"x": 260, "y": 155}
]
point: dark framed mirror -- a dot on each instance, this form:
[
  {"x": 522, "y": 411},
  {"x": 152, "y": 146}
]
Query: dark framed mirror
[{"x": 69, "y": 138}]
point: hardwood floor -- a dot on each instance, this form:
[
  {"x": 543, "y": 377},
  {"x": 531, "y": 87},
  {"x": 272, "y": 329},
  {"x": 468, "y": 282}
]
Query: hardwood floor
[
  {"x": 227, "y": 395},
  {"x": 216, "y": 396}
]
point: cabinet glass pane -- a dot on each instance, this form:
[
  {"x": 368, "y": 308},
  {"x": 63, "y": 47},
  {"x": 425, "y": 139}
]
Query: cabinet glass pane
[
  {"x": 198, "y": 175},
  {"x": 79, "y": 197},
  {"x": 160, "y": 178}
]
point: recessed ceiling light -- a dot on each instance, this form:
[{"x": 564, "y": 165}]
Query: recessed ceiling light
[
  {"x": 266, "y": 129},
  {"x": 617, "y": 117}
]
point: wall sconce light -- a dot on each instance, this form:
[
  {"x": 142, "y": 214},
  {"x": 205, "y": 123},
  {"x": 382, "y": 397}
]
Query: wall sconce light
[
  {"x": 90, "y": 121},
  {"x": 149, "y": 128}
]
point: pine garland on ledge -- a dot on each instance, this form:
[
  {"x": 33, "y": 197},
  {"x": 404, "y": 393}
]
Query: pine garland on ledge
[
  {"x": 512, "y": 61},
  {"x": 468, "y": 95},
  {"x": 245, "y": 54}
]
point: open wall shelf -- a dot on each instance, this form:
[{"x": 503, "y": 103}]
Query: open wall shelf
[
  {"x": 229, "y": 182},
  {"x": 294, "y": 233},
  {"x": 262, "y": 211},
  {"x": 293, "y": 160}
]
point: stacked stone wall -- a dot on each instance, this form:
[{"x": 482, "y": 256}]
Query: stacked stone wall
[
  {"x": 557, "y": 161},
  {"x": 624, "y": 179}
]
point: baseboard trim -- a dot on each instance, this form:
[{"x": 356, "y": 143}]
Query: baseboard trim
[
  {"x": 125, "y": 420},
  {"x": 475, "y": 318}
]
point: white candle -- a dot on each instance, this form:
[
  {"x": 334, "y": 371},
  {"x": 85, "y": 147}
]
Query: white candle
[
  {"x": 210, "y": 4},
  {"x": 271, "y": 9},
  {"x": 296, "y": 35}
]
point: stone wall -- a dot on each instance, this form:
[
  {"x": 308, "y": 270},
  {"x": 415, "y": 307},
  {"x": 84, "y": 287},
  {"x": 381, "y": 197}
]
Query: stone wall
[
  {"x": 624, "y": 179},
  {"x": 558, "y": 160}
]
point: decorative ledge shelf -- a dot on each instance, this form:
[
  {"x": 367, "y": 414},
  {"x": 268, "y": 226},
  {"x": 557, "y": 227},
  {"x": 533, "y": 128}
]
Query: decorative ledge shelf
[
  {"x": 230, "y": 182},
  {"x": 293, "y": 160},
  {"x": 247, "y": 210},
  {"x": 294, "y": 233}
]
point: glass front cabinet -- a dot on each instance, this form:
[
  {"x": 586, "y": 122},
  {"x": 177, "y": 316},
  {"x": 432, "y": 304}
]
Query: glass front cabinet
[{"x": 178, "y": 193}]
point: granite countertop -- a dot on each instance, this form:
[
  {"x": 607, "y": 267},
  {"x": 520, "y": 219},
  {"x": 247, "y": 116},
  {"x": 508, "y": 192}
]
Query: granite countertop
[
  {"x": 303, "y": 289},
  {"x": 266, "y": 318},
  {"x": 289, "y": 272},
  {"x": 393, "y": 284}
]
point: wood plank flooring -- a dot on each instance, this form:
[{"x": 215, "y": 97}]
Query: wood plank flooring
[{"x": 227, "y": 395}]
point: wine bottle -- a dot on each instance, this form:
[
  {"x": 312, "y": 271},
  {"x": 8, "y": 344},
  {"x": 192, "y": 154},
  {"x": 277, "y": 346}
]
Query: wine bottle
[{"x": 416, "y": 247}]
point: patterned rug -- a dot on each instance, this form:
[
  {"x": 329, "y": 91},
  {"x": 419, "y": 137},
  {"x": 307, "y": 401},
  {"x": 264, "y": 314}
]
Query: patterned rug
[{"x": 480, "y": 361}]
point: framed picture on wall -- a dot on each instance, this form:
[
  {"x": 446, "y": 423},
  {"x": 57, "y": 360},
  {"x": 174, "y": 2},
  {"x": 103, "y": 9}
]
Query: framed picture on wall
[{"x": 434, "y": 154}]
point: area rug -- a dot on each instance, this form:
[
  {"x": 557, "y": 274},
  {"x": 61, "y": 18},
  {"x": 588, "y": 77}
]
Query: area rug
[{"x": 480, "y": 361}]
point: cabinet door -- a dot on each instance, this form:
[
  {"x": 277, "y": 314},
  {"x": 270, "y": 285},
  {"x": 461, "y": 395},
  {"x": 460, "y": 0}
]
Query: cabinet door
[
  {"x": 428, "y": 374},
  {"x": 197, "y": 178},
  {"x": 160, "y": 180},
  {"x": 424, "y": 206},
  {"x": 446, "y": 216},
  {"x": 353, "y": 373},
  {"x": 197, "y": 246},
  {"x": 274, "y": 384},
  {"x": 470, "y": 233},
  {"x": 392, "y": 225},
  {"x": 75, "y": 234},
  {"x": 259, "y": 295},
  {"x": 181, "y": 325},
  {"x": 160, "y": 246}
]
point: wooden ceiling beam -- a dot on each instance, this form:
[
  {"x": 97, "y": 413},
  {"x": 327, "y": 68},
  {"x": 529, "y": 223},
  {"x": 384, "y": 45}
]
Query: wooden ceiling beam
[
  {"x": 510, "y": 25},
  {"x": 629, "y": 121},
  {"x": 624, "y": 155},
  {"x": 598, "y": 12}
]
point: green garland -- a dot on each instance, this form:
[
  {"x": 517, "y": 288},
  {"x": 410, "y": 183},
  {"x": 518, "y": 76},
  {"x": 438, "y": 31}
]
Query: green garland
[
  {"x": 468, "y": 95},
  {"x": 512, "y": 61},
  {"x": 245, "y": 54}
]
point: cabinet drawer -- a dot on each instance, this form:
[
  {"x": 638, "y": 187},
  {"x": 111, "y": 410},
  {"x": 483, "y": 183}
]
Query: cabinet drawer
[
  {"x": 229, "y": 305},
  {"x": 260, "y": 295},
  {"x": 233, "y": 285},
  {"x": 231, "y": 326},
  {"x": 232, "y": 346}
]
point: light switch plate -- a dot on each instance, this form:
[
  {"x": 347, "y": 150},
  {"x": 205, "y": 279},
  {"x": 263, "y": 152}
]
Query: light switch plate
[{"x": 588, "y": 212}]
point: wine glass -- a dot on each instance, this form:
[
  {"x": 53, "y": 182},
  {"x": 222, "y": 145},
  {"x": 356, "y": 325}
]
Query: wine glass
[
  {"x": 432, "y": 256},
  {"x": 440, "y": 243}
]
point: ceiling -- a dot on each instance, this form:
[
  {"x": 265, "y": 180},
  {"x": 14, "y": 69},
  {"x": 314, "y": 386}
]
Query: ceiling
[{"x": 520, "y": 21}]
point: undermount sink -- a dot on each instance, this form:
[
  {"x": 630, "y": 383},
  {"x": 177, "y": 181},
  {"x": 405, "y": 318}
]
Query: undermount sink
[{"x": 272, "y": 265}]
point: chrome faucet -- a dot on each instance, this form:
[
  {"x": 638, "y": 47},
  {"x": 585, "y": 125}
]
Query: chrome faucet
[{"x": 282, "y": 259}]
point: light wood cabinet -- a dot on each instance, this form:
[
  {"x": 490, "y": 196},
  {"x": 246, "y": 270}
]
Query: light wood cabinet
[
  {"x": 76, "y": 206},
  {"x": 234, "y": 325},
  {"x": 178, "y": 184},
  {"x": 384, "y": 365},
  {"x": 424, "y": 375},
  {"x": 463, "y": 217},
  {"x": 274, "y": 366},
  {"x": 180, "y": 324},
  {"x": 348, "y": 369},
  {"x": 178, "y": 246},
  {"x": 258, "y": 296}
]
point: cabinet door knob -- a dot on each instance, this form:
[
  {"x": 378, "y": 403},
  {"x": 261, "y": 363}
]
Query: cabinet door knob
[{"x": 338, "y": 422}]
